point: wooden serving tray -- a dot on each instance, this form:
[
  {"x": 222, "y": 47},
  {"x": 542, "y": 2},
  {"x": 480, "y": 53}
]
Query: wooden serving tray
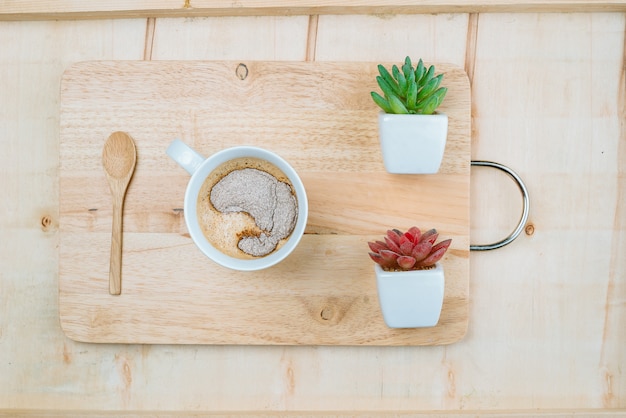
[{"x": 318, "y": 116}]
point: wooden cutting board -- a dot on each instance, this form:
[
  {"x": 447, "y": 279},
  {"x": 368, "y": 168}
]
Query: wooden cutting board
[{"x": 319, "y": 117}]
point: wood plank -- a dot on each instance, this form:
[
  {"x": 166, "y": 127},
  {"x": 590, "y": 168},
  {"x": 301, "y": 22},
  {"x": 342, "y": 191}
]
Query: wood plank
[
  {"x": 326, "y": 129},
  {"x": 337, "y": 37},
  {"x": 564, "y": 413},
  {"x": 98, "y": 9},
  {"x": 267, "y": 38},
  {"x": 577, "y": 191}
]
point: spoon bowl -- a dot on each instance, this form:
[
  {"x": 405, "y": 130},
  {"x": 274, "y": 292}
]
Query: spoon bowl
[{"x": 119, "y": 158}]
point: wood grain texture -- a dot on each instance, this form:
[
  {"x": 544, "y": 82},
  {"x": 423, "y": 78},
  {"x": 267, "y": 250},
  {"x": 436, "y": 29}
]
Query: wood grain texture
[
  {"x": 546, "y": 330},
  {"x": 316, "y": 414},
  {"x": 34, "y": 10},
  {"x": 319, "y": 117}
]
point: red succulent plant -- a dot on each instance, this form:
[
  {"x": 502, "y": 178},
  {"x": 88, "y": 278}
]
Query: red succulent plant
[{"x": 411, "y": 250}]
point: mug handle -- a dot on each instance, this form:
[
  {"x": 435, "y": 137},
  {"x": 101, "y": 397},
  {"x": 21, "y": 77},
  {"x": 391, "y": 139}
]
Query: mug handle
[{"x": 185, "y": 156}]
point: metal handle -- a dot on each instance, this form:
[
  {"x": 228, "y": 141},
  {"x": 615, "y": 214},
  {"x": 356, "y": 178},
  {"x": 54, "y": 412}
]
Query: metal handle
[{"x": 525, "y": 211}]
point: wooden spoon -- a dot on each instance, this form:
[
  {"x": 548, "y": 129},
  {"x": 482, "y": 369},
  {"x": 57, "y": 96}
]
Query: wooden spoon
[{"x": 119, "y": 157}]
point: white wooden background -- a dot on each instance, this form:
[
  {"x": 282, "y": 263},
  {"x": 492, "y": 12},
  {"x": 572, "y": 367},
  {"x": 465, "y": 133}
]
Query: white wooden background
[{"x": 547, "y": 329}]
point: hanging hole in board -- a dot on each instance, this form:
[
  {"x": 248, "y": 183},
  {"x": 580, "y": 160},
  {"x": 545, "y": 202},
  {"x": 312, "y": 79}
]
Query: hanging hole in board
[{"x": 242, "y": 71}]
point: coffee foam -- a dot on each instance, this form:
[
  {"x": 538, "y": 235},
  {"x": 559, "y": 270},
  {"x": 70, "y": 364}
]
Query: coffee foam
[{"x": 224, "y": 230}]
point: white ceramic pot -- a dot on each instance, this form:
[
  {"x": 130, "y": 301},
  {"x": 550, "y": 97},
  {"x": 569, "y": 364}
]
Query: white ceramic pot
[
  {"x": 410, "y": 299},
  {"x": 412, "y": 144}
]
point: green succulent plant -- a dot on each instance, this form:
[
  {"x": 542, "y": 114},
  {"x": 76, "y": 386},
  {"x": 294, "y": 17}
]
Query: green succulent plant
[{"x": 409, "y": 90}]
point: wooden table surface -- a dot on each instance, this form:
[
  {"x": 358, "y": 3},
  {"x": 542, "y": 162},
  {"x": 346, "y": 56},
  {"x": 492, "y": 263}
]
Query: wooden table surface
[{"x": 547, "y": 318}]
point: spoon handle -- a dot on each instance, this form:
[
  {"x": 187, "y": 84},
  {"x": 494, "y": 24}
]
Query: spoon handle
[{"x": 115, "y": 266}]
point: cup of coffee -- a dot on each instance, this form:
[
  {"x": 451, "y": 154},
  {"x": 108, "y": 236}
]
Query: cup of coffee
[{"x": 245, "y": 207}]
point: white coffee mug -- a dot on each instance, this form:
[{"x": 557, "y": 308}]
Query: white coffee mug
[{"x": 200, "y": 168}]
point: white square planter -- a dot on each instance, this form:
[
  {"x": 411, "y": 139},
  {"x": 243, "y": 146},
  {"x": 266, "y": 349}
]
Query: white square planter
[
  {"x": 412, "y": 144},
  {"x": 410, "y": 299}
]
